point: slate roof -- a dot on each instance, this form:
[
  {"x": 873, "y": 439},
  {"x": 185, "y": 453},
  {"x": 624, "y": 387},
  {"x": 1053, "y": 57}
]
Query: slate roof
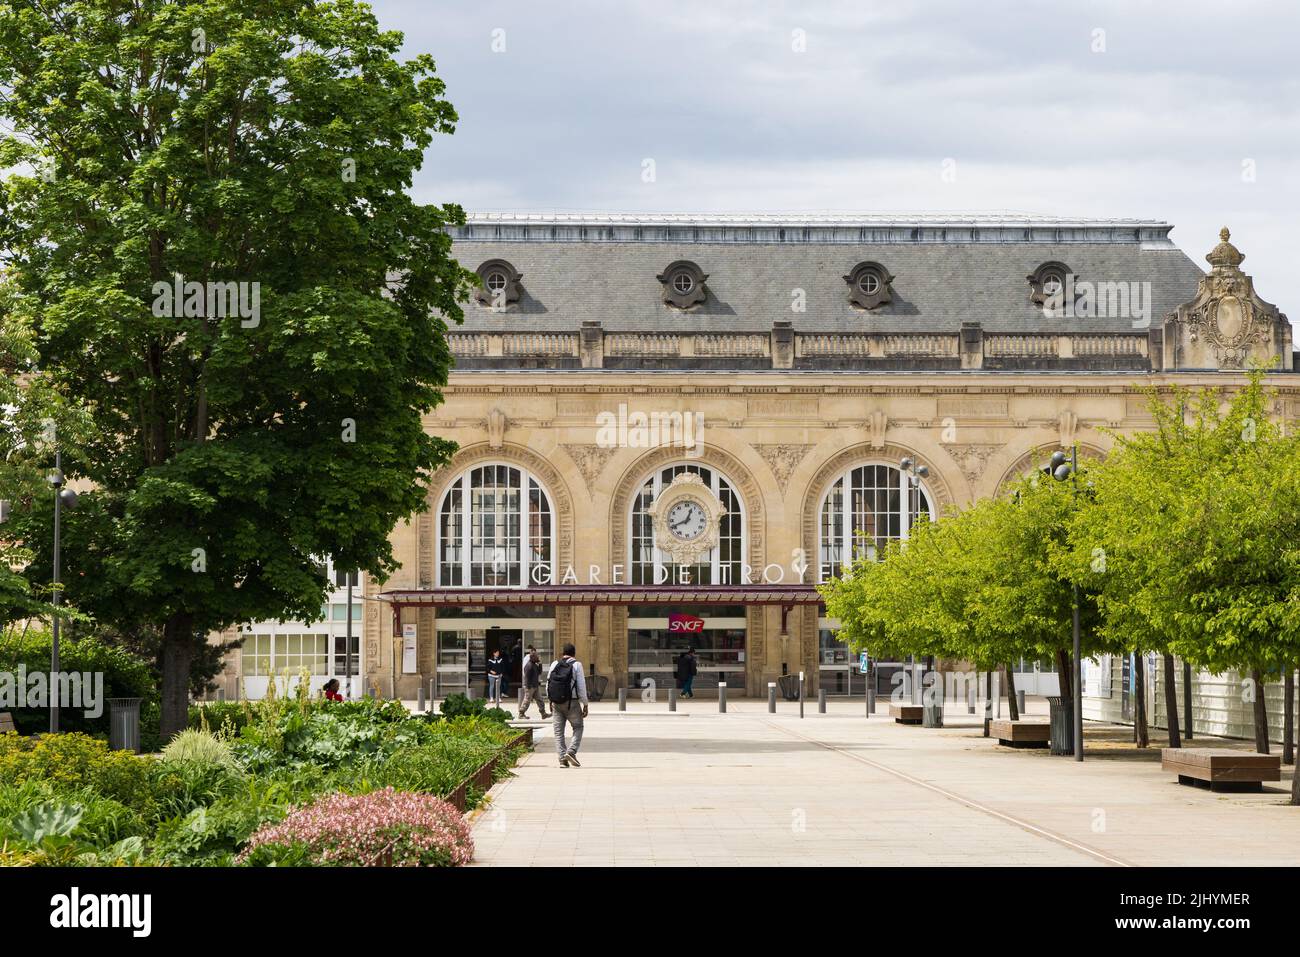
[{"x": 947, "y": 270}]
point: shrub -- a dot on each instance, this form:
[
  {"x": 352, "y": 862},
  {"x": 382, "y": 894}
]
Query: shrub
[
  {"x": 199, "y": 747},
  {"x": 71, "y": 761},
  {"x": 383, "y": 828},
  {"x": 181, "y": 786},
  {"x": 103, "y": 822},
  {"x": 125, "y": 676},
  {"x": 457, "y": 705}
]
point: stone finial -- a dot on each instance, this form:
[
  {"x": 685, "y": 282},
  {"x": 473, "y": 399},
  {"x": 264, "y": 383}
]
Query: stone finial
[{"x": 1225, "y": 255}]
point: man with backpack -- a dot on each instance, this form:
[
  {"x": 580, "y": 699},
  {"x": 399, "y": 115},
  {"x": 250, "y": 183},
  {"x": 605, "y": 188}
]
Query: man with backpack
[{"x": 567, "y": 691}]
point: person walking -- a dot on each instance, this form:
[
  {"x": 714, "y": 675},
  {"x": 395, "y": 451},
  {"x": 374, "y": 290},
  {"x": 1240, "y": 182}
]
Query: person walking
[
  {"x": 566, "y": 689},
  {"x": 686, "y": 669},
  {"x": 532, "y": 684},
  {"x": 496, "y": 669}
]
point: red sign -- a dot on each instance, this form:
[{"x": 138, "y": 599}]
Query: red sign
[{"x": 680, "y": 622}]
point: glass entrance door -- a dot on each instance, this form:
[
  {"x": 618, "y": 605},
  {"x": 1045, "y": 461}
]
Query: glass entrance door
[
  {"x": 657, "y": 637},
  {"x": 465, "y": 641}
]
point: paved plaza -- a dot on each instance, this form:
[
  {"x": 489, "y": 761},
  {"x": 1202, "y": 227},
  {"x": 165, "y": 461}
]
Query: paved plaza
[{"x": 749, "y": 788}]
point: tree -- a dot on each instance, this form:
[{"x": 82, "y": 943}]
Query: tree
[
  {"x": 218, "y": 253},
  {"x": 33, "y": 416},
  {"x": 1198, "y": 521}
]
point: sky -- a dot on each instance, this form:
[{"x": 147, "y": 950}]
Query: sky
[{"x": 1186, "y": 112}]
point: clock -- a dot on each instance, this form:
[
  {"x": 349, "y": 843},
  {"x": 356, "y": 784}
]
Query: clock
[
  {"x": 687, "y": 516},
  {"x": 687, "y": 519}
]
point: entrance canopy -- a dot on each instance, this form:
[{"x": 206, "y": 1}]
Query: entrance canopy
[{"x": 609, "y": 595}]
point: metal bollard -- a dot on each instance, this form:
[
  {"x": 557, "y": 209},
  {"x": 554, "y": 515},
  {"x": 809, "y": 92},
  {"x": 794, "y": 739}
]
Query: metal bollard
[
  {"x": 970, "y": 699},
  {"x": 622, "y": 699},
  {"x": 1020, "y": 701},
  {"x": 419, "y": 699},
  {"x": 771, "y": 697},
  {"x": 821, "y": 700},
  {"x": 722, "y": 697},
  {"x": 801, "y": 694},
  {"x": 672, "y": 699}
]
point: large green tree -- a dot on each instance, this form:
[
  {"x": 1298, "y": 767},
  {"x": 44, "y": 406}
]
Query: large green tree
[
  {"x": 265, "y": 150},
  {"x": 1199, "y": 521}
]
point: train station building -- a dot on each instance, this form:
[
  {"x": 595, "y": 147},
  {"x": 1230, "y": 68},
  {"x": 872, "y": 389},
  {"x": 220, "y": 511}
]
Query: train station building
[{"x": 671, "y": 427}]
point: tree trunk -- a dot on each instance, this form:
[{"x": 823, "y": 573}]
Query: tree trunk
[
  {"x": 988, "y": 700},
  {"x": 1288, "y": 717},
  {"x": 1171, "y": 703},
  {"x": 1141, "y": 734},
  {"x": 1187, "y": 699},
  {"x": 1261, "y": 713},
  {"x": 177, "y": 655},
  {"x": 1012, "y": 708},
  {"x": 1065, "y": 676}
]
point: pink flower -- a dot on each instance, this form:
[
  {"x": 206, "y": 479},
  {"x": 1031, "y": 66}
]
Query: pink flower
[{"x": 385, "y": 828}]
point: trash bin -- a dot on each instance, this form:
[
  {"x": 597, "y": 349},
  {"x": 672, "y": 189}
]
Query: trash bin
[
  {"x": 1062, "y": 725},
  {"x": 932, "y": 715},
  {"x": 789, "y": 685},
  {"x": 124, "y": 724},
  {"x": 596, "y": 685}
]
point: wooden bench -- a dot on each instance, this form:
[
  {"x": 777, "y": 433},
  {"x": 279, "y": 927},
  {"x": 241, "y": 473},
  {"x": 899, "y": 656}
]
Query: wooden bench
[
  {"x": 6, "y": 722},
  {"x": 1222, "y": 769},
  {"x": 1020, "y": 734},
  {"x": 906, "y": 713}
]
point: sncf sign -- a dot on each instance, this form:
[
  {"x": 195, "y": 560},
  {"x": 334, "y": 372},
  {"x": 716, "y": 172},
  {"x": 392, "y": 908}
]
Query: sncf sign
[{"x": 683, "y": 623}]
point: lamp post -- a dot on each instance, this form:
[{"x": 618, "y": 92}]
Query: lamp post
[
  {"x": 1062, "y": 470},
  {"x": 912, "y": 475},
  {"x": 63, "y": 498}
]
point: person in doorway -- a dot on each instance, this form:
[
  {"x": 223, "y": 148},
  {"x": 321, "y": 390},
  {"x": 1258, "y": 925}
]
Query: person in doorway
[
  {"x": 331, "y": 690},
  {"x": 532, "y": 684},
  {"x": 566, "y": 689},
  {"x": 496, "y": 670},
  {"x": 686, "y": 668}
]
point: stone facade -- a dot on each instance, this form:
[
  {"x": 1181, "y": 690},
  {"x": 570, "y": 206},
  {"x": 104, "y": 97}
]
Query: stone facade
[{"x": 788, "y": 405}]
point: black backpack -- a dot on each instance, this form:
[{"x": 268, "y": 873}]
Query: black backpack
[{"x": 559, "y": 686}]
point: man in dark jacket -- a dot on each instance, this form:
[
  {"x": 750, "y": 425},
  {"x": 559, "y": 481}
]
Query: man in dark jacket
[
  {"x": 532, "y": 684},
  {"x": 686, "y": 669}
]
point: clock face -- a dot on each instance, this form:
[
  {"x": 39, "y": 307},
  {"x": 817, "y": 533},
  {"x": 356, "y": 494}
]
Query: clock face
[{"x": 687, "y": 520}]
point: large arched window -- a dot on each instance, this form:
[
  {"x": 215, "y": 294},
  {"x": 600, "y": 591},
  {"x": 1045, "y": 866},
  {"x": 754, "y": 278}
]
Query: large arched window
[
  {"x": 864, "y": 509},
  {"x": 722, "y": 565},
  {"x": 496, "y": 528}
]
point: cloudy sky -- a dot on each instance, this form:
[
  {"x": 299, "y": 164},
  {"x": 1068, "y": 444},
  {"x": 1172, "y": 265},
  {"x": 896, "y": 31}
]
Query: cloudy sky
[{"x": 1183, "y": 111}]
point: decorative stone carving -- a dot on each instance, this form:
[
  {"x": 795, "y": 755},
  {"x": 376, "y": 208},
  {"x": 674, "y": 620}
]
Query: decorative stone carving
[
  {"x": 687, "y": 519},
  {"x": 498, "y": 284},
  {"x": 972, "y": 458},
  {"x": 876, "y": 428},
  {"x": 496, "y": 425},
  {"x": 590, "y": 459},
  {"x": 683, "y": 283},
  {"x": 1068, "y": 422},
  {"x": 1227, "y": 326},
  {"x": 782, "y": 460},
  {"x": 869, "y": 285}
]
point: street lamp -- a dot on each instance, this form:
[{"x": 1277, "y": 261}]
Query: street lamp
[
  {"x": 912, "y": 475},
  {"x": 63, "y": 498},
  {"x": 1063, "y": 469}
]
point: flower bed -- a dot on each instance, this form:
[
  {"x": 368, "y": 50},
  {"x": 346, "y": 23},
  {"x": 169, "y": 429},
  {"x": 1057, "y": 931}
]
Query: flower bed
[{"x": 67, "y": 798}]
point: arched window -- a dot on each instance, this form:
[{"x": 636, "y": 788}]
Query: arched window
[
  {"x": 867, "y": 506},
  {"x": 723, "y": 565},
  {"x": 496, "y": 529}
]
